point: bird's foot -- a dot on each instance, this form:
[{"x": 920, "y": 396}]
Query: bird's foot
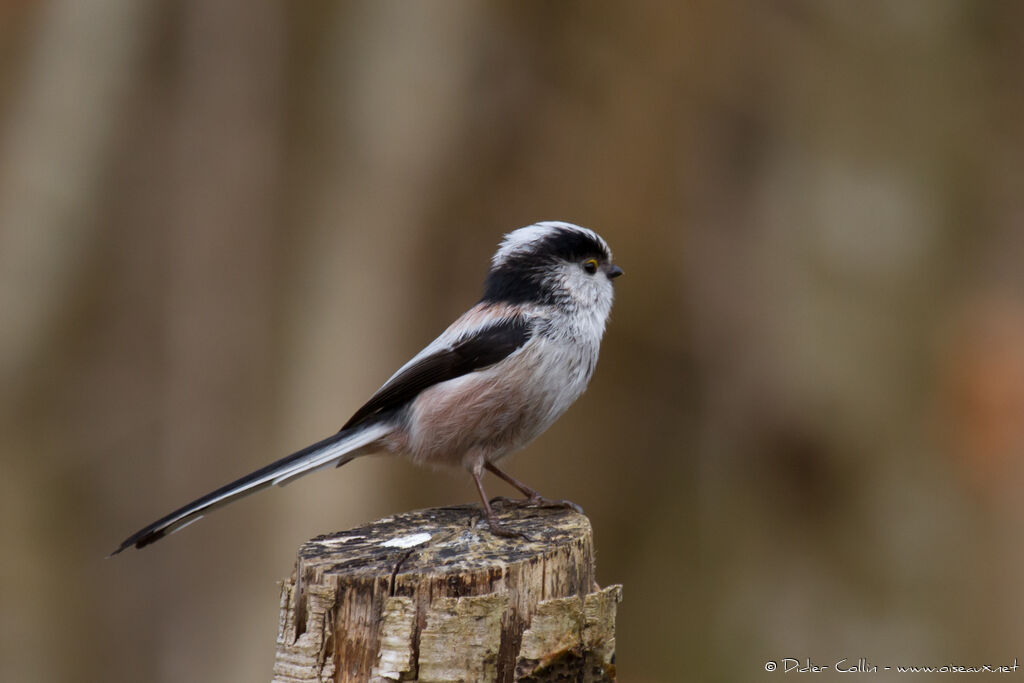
[
  {"x": 538, "y": 501},
  {"x": 542, "y": 502},
  {"x": 498, "y": 529}
]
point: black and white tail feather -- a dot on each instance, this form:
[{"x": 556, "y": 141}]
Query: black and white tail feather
[
  {"x": 495, "y": 379},
  {"x": 335, "y": 450}
]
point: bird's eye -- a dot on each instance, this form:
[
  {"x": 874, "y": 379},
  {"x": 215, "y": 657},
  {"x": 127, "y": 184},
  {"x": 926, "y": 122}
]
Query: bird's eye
[{"x": 590, "y": 265}]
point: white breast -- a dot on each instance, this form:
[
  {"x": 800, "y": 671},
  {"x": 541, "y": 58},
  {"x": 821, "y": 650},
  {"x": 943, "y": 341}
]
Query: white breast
[{"x": 485, "y": 415}]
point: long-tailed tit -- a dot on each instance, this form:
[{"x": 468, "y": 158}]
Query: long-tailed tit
[{"x": 499, "y": 376}]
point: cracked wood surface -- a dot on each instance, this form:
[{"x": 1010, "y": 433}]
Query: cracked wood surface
[{"x": 431, "y": 595}]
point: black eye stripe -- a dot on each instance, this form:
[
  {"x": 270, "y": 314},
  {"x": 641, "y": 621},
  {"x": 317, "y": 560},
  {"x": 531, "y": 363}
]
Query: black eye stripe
[
  {"x": 572, "y": 245},
  {"x": 520, "y": 276}
]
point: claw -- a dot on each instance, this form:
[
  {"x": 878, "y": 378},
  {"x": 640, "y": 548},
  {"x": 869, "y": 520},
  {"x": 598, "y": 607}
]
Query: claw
[
  {"x": 499, "y": 529},
  {"x": 541, "y": 501}
]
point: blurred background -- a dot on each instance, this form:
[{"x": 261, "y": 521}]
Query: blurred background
[{"x": 224, "y": 224}]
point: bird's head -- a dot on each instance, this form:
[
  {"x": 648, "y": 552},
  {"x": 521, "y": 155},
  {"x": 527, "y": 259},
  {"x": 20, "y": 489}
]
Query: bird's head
[{"x": 553, "y": 263}]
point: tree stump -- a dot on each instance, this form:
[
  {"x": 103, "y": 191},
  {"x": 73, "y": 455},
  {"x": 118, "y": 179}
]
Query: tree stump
[{"x": 432, "y": 595}]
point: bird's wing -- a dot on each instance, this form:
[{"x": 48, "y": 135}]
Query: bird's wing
[{"x": 473, "y": 351}]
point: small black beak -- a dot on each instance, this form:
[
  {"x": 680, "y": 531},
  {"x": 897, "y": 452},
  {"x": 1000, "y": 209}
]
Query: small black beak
[{"x": 614, "y": 272}]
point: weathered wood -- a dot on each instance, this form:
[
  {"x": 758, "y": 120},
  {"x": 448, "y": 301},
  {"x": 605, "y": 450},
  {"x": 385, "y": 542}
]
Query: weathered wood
[{"x": 432, "y": 595}]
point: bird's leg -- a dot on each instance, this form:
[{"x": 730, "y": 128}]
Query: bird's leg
[
  {"x": 497, "y": 528},
  {"x": 532, "y": 496}
]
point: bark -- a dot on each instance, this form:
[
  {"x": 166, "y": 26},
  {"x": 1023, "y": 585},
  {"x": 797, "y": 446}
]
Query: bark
[{"x": 432, "y": 595}]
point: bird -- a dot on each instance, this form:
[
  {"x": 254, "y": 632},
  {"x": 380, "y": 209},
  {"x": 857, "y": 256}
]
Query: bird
[{"x": 488, "y": 385}]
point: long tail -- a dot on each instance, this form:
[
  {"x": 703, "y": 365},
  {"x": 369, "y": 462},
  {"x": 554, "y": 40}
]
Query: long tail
[{"x": 335, "y": 450}]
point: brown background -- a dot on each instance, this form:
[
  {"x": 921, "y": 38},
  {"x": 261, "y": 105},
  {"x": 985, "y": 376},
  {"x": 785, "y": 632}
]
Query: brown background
[{"x": 224, "y": 224}]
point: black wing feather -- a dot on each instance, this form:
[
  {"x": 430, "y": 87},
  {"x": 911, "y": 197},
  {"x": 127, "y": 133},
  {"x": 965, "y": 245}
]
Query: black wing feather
[{"x": 488, "y": 346}]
